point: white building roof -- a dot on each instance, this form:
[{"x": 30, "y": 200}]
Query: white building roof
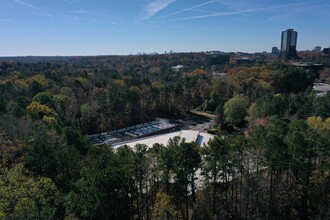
[
  {"x": 321, "y": 89},
  {"x": 188, "y": 135}
]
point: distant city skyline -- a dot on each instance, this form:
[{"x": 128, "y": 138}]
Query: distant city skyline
[{"x": 121, "y": 27}]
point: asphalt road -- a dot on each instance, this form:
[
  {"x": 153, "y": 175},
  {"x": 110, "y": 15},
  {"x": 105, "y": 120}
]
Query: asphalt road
[{"x": 196, "y": 123}]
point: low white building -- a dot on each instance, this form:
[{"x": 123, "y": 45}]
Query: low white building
[
  {"x": 188, "y": 135},
  {"x": 321, "y": 89},
  {"x": 178, "y": 67}
]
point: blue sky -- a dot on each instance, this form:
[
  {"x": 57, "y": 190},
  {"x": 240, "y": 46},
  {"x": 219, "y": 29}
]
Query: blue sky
[{"x": 105, "y": 27}]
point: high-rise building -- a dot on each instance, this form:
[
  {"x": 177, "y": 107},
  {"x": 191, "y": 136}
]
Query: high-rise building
[
  {"x": 326, "y": 51},
  {"x": 275, "y": 51},
  {"x": 288, "y": 45},
  {"x": 317, "y": 49}
]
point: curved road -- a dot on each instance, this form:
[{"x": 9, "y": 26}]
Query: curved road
[{"x": 198, "y": 121}]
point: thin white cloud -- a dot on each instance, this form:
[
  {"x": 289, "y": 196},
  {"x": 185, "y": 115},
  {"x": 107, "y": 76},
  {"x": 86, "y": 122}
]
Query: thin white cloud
[
  {"x": 290, "y": 13},
  {"x": 69, "y": 2},
  {"x": 239, "y": 12},
  {"x": 80, "y": 11},
  {"x": 154, "y": 7},
  {"x": 203, "y": 10},
  {"x": 7, "y": 20},
  {"x": 21, "y": 2},
  {"x": 91, "y": 21},
  {"x": 188, "y": 9},
  {"x": 114, "y": 23},
  {"x": 218, "y": 14}
]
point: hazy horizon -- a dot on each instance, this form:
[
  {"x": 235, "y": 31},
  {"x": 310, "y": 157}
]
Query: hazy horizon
[{"x": 90, "y": 28}]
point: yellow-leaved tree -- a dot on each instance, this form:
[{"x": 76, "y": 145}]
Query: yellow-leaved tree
[{"x": 24, "y": 196}]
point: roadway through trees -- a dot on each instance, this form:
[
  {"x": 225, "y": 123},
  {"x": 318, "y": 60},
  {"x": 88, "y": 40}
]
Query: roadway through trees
[{"x": 196, "y": 122}]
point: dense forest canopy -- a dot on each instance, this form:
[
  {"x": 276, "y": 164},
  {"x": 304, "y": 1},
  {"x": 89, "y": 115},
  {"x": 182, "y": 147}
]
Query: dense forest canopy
[{"x": 267, "y": 114}]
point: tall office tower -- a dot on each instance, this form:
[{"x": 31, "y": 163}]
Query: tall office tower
[{"x": 288, "y": 45}]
